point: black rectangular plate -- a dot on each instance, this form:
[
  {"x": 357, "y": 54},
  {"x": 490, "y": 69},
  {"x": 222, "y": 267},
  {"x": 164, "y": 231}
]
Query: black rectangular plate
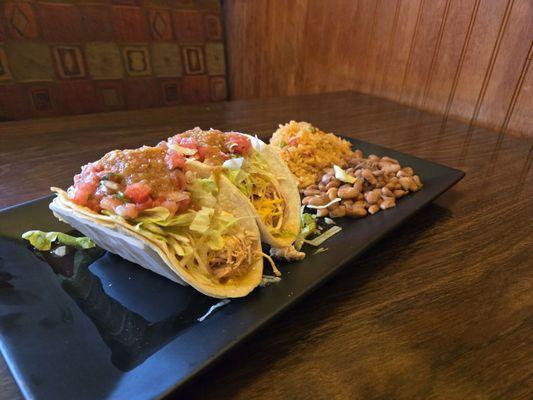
[{"x": 114, "y": 330}]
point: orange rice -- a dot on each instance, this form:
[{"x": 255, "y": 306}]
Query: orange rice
[{"x": 307, "y": 150}]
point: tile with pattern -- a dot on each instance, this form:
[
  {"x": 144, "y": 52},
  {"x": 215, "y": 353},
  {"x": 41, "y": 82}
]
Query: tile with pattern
[
  {"x": 110, "y": 94},
  {"x": 171, "y": 91},
  {"x": 60, "y": 22},
  {"x": 130, "y": 24},
  {"x": 196, "y": 89},
  {"x": 213, "y": 27},
  {"x": 166, "y": 60},
  {"x": 189, "y": 27},
  {"x": 214, "y": 55},
  {"x": 77, "y": 56},
  {"x": 77, "y": 97},
  {"x": 142, "y": 93},
  {"x": 29, "y": 61},
  {"x": 5, "y": 73},
  {"x": 97, "y": 22},
  {"x": 137, "y": 60},
  {"x": 69, "y": 61},
  {"x": 20, "y": 20},
  {"x": 218, "y": 87},
  {"x": 104, "y": 60},
  {"x": 193, "y": 60},
  {"x": 160, "y": 21}
]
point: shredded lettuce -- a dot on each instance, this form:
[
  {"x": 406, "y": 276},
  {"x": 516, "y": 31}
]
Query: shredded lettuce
[
  {"x": 241, "y": 180},
  {"x": 193, "y": 233},
  {"x": 202, "y": 220},
  {"x": 309, "y": 227},
  {"x": 43, "y": 240},
  {"x": 203, "y": 192}
]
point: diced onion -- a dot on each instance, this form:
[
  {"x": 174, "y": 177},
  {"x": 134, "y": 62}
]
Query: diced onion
[
  {"x": 257, "y": 143},
  {"x": 233, "y": 164},
  {"x": 342, "y": 176}
]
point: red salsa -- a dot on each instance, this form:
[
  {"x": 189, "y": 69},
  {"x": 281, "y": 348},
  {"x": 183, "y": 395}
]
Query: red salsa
[
  {"x": 212, "y": 146},
  {"x": 127, "y": 182}
]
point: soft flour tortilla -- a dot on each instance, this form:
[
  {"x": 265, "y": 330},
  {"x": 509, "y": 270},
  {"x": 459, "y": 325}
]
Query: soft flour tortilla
[
  {"x": 119, "y": 237},
  {"x": 287, "y": 185}
]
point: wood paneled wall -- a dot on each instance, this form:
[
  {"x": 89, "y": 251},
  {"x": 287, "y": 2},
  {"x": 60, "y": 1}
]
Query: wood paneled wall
[{"x": 467, "y": 59}]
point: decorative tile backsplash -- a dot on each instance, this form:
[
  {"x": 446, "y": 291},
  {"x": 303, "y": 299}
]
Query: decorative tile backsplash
[{"x": 74, "y": 57}]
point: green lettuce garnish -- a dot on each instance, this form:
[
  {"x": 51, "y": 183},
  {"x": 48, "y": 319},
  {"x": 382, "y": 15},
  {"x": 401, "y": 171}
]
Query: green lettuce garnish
[
  {"x": 309, "y": 227},
  {"x": 202, "y": 220},
  {"x": 43, "y": 240},
  {"x": 254, "y": 172},
  {"x": 203, "y": 192}
]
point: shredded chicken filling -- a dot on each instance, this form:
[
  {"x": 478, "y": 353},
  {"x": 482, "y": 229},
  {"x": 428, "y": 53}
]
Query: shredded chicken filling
[{"x": 232, "y": 261}]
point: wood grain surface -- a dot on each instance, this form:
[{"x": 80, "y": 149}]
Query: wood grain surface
[
  {"x": 467, "y": 59},
  {"x": 442, "y": 308}
]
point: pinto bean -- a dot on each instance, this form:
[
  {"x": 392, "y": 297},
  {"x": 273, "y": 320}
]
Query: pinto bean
[
  {"x": 334, "y": 183},
  {"x": 390, "y": 159},
  {"x": 369, "y": 177},
  {"x": 405, "y": 182},
  {"x": 348, "y": 192},
  {"x": 373, "y": 196},
  {"x": 374, "y": 208},
  {"x": 322, "y": 212},
  {"x": 326, "y": 178},
  {"x": 338, "y": 212},
  {"x": 398, "y": 193},
  {"x": 385, "y": 191},
  {"x": 355, "y": 212},
  {"x": 387, "y": 203},
  {"x": 312, "y": 192},
  {"x": 332, "y": 193},
  {"x": 318, "y": 200}
]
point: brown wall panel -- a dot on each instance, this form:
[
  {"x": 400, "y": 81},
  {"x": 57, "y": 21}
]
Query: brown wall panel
[{"x": 467, "y": 59}]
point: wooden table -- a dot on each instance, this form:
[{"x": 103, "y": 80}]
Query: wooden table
[{"x": 442, "y": 308}]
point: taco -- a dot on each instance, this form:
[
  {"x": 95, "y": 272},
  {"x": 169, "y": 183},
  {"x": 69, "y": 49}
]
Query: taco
[
  {"x": 255, "y": 169},
  {"x": 185, "y": 222}
]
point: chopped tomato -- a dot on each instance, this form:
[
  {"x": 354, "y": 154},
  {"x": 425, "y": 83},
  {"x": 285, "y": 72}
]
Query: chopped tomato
[
  {"x": 238, "y": 144},
  {"x": 184, "y": 205},
  {"x": 293, "y": 142},
  {"x": 188, "y": 142},
  {"x": 138, "y": 192},
  {"x": 208, "y": 152},
  {"x": 145, "y": 205},
  {"x": 178, "y": 178},
  {"x": 174, "y": 159},
  {"x": 110, "y": 203},
  {"x": 171, "y": 205},
  {"x": 128, "y": 210},
  {"x": 82, "y": 192}
]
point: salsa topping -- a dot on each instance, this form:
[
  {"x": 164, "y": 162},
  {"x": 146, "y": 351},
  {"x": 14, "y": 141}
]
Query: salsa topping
[
  {"x": 212, "y": 146},
  {"x": 127, "y": 182}
]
